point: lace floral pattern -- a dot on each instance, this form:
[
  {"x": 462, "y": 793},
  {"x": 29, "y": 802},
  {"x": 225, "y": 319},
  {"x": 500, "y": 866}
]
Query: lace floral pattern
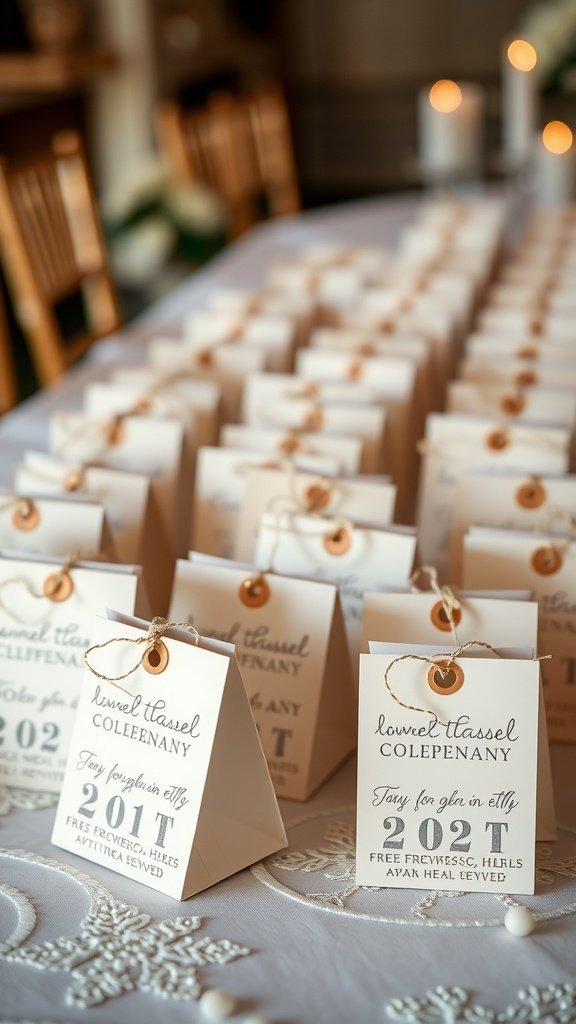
[
  {"x": 24, "y": 800},
  {"x": 553, "y": 1004},
  {"x": 332, "y": 860},
  {"x": 118, "y": 949}
]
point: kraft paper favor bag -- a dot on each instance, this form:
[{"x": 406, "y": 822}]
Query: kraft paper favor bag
[
  {"x": 197, "y": 400},
  {"x": 291, "y": 648},
  {"x": 274, "y": 334},
  {"x": 503, "y": 622},
  {"x": 447, "y": 757},
  {"x": 166, "y": 781},
  {"x": 544, "y": 563},
  {"x": 46, "y": 615},
  {"x": 521, "y": 404},
  {"x": 367, "y": 500}
]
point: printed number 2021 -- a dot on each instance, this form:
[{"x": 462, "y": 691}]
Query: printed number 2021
[
  {"x": 28, "y": 735},
  {"x": 431, "y": 834}
]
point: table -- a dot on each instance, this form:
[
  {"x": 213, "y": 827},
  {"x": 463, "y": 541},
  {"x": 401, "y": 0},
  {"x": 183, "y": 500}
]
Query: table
[{"x": 305, "y": 946}]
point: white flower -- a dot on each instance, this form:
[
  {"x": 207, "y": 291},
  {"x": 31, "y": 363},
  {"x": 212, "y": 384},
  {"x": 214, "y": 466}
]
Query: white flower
[
  {"x": 196, "y": 209},
  {"x": 141, "y": 185},
  {"x": 140, "y": 252}
]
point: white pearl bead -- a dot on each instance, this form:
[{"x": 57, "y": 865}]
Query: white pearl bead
[
  {"x": 519, "y": 921},
  {"x": 216, "y": 1005}
]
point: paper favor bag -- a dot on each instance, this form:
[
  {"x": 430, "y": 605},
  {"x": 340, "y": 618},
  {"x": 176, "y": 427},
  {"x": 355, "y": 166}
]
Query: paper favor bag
[
  {"x": 546, "y": 565},
  {"x": 503, "y": 622},
  {"x": 447, "y": 793},
  {"x": 357, "y": 559},
  {"x": 506, "y": 501},
  {"x": 291, "y": 648},
  {"x": 549, "y": 405},
  {"x": 50, "y": 526},
  {"x": 273, "y": 334},
  {"x": 166, "y": 781},
  {"x": 456, "y": 444},
  {"x": 46, "y": 616},
  {"x": 344, "y": 453}
]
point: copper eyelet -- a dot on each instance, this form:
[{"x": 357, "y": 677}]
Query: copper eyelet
[
  {"x": 290, "y": 444},
  {"x": 546, "y": 560},
  {"x": 355, "y": 369},
  {"x": 74, "y": 480},
  {"x": 526, "y": 378},
  {"x": 254, "y": 591},
  {"x": 317, "y": 496},
  {"x": 440, "y": 619},
  {"x": 497, "y": 440},
  {"x": 205, "y": 358},
  {"x": 26, "y": 515},
  {"x": 445, "y": 678},
  {"x": 155, "y": 658},
  {"x": 58, "y": 586},
  {"x": 531, "y": 494},
  {"x": 313, "y": 419},
  {"x": 512, "y": 405},
  {"x": 338, "y": 543}
]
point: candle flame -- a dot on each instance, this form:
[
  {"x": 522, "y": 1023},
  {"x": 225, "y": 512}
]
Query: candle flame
[
  {"x": 445, "y": 96},
  {"x": 522, "y": 55},
  {"x": 557, "y": 137}
]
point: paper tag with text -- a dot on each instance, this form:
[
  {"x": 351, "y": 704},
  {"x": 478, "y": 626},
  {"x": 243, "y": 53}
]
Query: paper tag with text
[
  {"x": 456, "y": 444},
  {"x": 367, "y": 500},
  {"x": 291, "y": 648},
  {"x": 502, "y": 622},
  {"x": 357, "y": 559},
  {"x": 507, "y": 502},
  {"x": 46, "y": 619},
  {"x": 547, "y": 566},
  {"x": 166, "y": 782},
  {"x": 447, "y": 796}
]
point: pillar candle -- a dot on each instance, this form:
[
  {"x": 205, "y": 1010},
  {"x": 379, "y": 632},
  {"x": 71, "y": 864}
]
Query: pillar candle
[
  {"x": 450, "y": 130},
  {"x": 555, "y": 165},
  {"x": 519, "y": 102}
]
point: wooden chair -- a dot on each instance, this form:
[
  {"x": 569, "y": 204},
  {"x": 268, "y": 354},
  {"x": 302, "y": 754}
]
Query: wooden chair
[
  {"x": 8, "y": 384},
  {"x": 52, "y": 249},
  {"x": 240, "y": 147},
  {"x": 273, "y": 144}
]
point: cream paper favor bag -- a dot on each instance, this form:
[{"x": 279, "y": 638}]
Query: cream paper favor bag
[
  {"x": 51, "y": 525},
  {"x": 447, "y": 764},
  {"x": 166, "y": 781},
  {"x": 291, "y": 648},
  {"x": 46, "y": 616},
  {"x": 503, "y": 621},
  {"x": 345, "y": 453}
]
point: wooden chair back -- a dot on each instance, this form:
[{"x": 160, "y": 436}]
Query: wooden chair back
[
  {"x": 52, "y": 248},
  {"x": 238, "y": 146},
  {"x": 8, "y": 383}
]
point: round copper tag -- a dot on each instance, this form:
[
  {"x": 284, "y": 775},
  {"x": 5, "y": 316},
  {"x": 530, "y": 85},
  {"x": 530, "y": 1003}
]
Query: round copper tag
[
  {"x": 526, "y": 378},
  {"x": 367, "y": 348},
  {"x": 445, "y": 678},
  {"x": 338, "y": 543},
  {"x": 314, "y": 419},
  {"x": 25, "y": 516},
  {"x": 386, "y": 325},
  {"x": 497, "y": 440},
  {"x": 254, "y": 592},
  {"x": 317, "y": 496},
  {"x": 531, "y": 494},
  {"x": 155, "y": 659},
  {"x": 546, "y": 560},
  {"x": 143, "y": 404},
  {"x": 58, "y": 586},
  {"x": 537, "y": 325},
  {"x": 74, "y": 480},
  {"x": 440, "y": 619},
  {"x": 512, "y": 405},
  {"x": 355, "y": 369}
]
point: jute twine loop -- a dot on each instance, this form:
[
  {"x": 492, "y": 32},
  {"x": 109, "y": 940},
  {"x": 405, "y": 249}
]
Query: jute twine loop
[
  {"x": 53, "y": 580},
  {"x": 156, "y": 631},
  {"x": 450, "y": 602},
  {"x": 17, "y": 501}
]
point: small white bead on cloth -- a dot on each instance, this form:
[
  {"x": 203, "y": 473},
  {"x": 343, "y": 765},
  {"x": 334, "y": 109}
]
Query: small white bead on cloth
[
  {"x": 519, "y": 921},
  {"x": 216, "y": 1005}
]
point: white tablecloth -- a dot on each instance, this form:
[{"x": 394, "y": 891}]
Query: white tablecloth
[{"x": 320, "y": 951}]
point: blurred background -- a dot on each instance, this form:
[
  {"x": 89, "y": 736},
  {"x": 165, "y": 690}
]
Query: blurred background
[{"x": 350, "y": 73}]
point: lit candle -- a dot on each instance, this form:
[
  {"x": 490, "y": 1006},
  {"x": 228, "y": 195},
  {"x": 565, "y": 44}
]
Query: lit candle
[
  {"x": 519, "y": 101},
  {"x": 450, "y": 130},
  {"x": 555, "y": 165}
]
